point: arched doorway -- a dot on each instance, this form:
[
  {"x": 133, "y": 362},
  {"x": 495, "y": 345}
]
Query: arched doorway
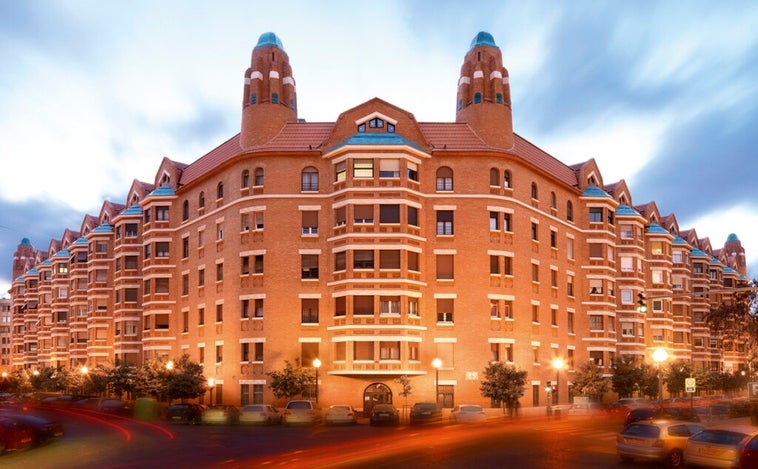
[{"x": 375, "y": 393}]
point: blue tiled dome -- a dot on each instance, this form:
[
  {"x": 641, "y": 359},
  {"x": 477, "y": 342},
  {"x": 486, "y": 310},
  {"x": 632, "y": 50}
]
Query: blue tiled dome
[
  {"x": 483, "y": 39},
  {"x": 269, "y": 39}
]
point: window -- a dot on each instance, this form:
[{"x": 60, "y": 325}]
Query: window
[
  {"x": 494, "y": 221},
  {"x": 161, "y": 249},
  {"x": 506, "y": 179},
  {"x": 627, "y": 297},
  {"x": 340, "y": 306},
  {"x": 412, "y": 171},
  {"x": 219, "y": 353},
  {"x": 627, "y": 231},
  {"x": 258, "y": 308},
  {"x": 185, "y": 210},
  {"x": 494, "y": 309},
  {"x": 535, "y": 232},
  {"x": 220, "y": 190},
  {"x": 363, "y": 168},
  {"x": 494, "y": 177},
  {"x": 389, "y": 305},
  {"x": 389, "y": 259},
  {"x": 389, "y": 168},
  {"x": 363, "y": 259},
  {"x": 219, "y": 271},
  {"x": 309, "y": 180},
  {"x": 570, "y": 322},
  {"x": 258, "y": 177},
  {"x": 130, "y": 230},
  {"x": 245, "y": 183},
  {"x": 219, "y": 313},
  {"x": 185, "y": 247},
  {"x": 507, "y": 265},
  {"x": 309, "y": 310},
  {"x": 363, "y": 305},
  {"x": 340, "y": 261},
  {"x": 570, "y": 285},
  {"x": 569, "y": 211},
  {"x": 201, "y": 200},
  {"x": 340, "y": 216},
  {"x": 413, "y": 216},
  {"x": 596, "y": 250},
  {"x": 309, "y": 222},
  {"x": 201, "y": 277},
  {"x": 444, "y": 222},
  {"x": 553, "y": 239},
  {"x": 494, "y": 265},
  {"x": 185, "y": 284},
  {"x": 258, "y": 264},
  {"x": 413, "y": 307},
  {"x": 389, "y": 213},
  {"x": 363, "y": 214},
  {"x": 535, "y": 273},
  {"x": 219, "y": 232},
  {"x": 657, "y": 276},
  {"x": 596, "y": 322},
  {"x": 570, "y": 248},
  {"x": 596, "y": 286},
  {"x": 536, "y": 314},
  {"x": 627, "y": 264},
  {"x": 245, "y": 352},
  {"x": 553, "y": 317},
  {"x": 445, "y": 310},
  {"x": 444, "y": 179},
  {"x": 258, "y": 352},
  {"x": 413, "y": 261},
  {"x": 389, "y": 350},
  {"x": 162, "y": 285},
  {"x": 596, "y": 215},
  {"x": 553, "y": 200},
  {"x": 553, "y": 278},
  {"x": 245, "y": 309},
  {"x": 445, "y": 267},
  {"x": 309, "y": 266},
  {"x": 340, "y": 171},
  {"x": 627, "y": 329},
  {"x": 363, "y": 351},
  {"x": 656, "y": 247},
  {"x": 535, "y": 193}
]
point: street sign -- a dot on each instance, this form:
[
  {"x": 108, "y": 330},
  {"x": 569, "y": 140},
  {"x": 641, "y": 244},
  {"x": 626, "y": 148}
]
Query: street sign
[
  {"x": 752, "y": 391},
  {"x": 689, "y": 384}
]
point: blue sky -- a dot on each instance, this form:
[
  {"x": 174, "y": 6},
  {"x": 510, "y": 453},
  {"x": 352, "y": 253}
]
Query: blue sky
[{"x": 94, "y": 93}]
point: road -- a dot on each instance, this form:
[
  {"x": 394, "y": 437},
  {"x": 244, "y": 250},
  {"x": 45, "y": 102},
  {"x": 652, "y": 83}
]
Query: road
[{"x": 95, "y": 442}]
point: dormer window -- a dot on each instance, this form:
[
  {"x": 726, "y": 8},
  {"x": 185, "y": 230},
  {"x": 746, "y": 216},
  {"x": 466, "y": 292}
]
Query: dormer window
[{"x": 376, "y": 123}]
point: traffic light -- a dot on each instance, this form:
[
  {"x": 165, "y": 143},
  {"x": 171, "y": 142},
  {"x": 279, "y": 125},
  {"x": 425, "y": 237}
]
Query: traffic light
[{"x": 641, "y": 304}]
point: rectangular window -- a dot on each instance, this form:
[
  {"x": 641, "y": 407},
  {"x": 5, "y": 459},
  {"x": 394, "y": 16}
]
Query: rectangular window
[
  {"x": 258, "y": 352},
  {"x": 570, "y": 322},
  {"x": 363, "y": 214},
  {"x": 340, "y": 171},
  {"x": 363, "y": 351},
  {"x": 220, "y": 272},
  {"x": 363, "y": 305},
  {"x": 494, "y": 265},
  {"x": 627, "y": 329},
  {"x": 161, "y": 213},
  {"x": 200, "y": 316},
  {"x": 413, "y": 216},
  {"x": 412, "y": 171},
  {"x": 445, "y": 267},
  {"x": 596, "y": 322},
  {"x": 245, "y": 309},
  {"x": 413, "y": 261},
  {"x": 389, "y": 350},
  {"x": 389, "y": 168},
  {"x": 389, "y": 213},
  {"x": 494, "y": 309},
  {"x": 219, "y": 353},
  {"x": 161, "y": 285},
  {"x": 310, "y": 222},
  {"x": 258, "y": 307},
  {"x": 444, "y": 222},
  {"x": 363, "y": 259},
  {"x": 507, "y": 224},
  {"x": 309, "y": 310},
  {"x": 340, "y": 306},
  {"x": 553, "y": 317},
  {"x": 363, "y": 168},
  {"x": 596, "y": 215},
  {"x": 340, "y": 262},
  {"x": 389, "y": 259},
  {"x": 570, "y": 248},
  {"x": 596, "y": 250},
  {"x": 245, "y": 352},
  {"x": 130, "y": 230},
  {"x": 445, "y": 310},
  {"x": 245, "y": 265},
  {"x": 494, "y": 221},
  {"x": 340, "y": 216},
  {"x": 185, "y": 284},
  {"x": 535, "y": 273},
  {"x": 596, "y": 286},
  {"x": 627, "y": 231},
  {"x": 389, "y": 305},
  {"x": 219, "y": 313},
  {"x": 309, "y": 266},
  {"x": 258, "y": 265},
  {"x": 535, "y": 313},
  {"x": 535, "y": 232}
]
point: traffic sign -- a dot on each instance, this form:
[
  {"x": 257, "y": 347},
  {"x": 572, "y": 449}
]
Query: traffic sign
[{"x": 689, "y": 384}]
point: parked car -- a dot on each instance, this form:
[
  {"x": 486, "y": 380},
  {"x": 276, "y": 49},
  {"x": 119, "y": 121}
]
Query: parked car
[
  {"x": 15, "y": 435},
  {"x": 384, "y": 414},
  {"x": 720, "y": 447},
  {"x": 588, "y": 408},
  {"x": 185, "y": 413},
  {"x": 260, "y": 414},
  {"x": 425, "y": 412},
  {"x": 467, "y": 413},
  {"x": 655, "y": 413},
  {"x": 105, "y": 404},
  {"x": 45, "y": 430},
  {"x": 221, "y": 414},
  {"x": 301, "y": 412},
  {"x": 659, "y": 440},
  {"x": 625, "y": 404},
  {"x": 340, "y": 414},
  {"x": 749, "y": 457}
]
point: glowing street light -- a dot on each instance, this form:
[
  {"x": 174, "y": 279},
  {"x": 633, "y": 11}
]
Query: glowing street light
[
  {"x": 659, "y": 356},
  {"x": 437, "y": 363},
  {"x": 558, "y": 365},
  {"x": 316, "y": 365},
  {"x": 170, "y": 365},
  {"x": 211, "y": 384}
]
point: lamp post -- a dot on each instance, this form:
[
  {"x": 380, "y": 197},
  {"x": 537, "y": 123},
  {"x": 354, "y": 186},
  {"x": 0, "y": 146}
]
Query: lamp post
[
  {"x": 558, "y": 364},
  {"x": 659, "y": 356},
  {"x": 437, "y": 363},
  {"x": 316, "y": 365},
  {"x": 211, "y": 384}
]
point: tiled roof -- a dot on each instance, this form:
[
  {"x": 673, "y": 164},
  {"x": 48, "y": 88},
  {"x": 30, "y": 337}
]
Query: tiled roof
[
  {"x": 163, "y": 191},
  {"x": 210, "y": 160},
  {"x": 104, "y": 228},
  {"x": 594, "y": 191},
  {"x": 697, "y": 252},
  {"x": 625, "y": 210},
  {"x": 544, "y": 160},
  {"x": 133, "y": 210}
]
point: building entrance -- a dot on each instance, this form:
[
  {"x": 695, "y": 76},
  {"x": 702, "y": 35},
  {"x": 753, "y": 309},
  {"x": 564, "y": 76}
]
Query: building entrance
[{"x": 376, "y": 393}]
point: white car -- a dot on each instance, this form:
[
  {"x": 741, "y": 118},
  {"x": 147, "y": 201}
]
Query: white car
[
  {"x": 467, "y": 413},
  {"x": 341, "y": 415},
  {"x": 719, "y": 447},
  {"x": 301, "y": 412},
  {"x": 260, "y": 414}
]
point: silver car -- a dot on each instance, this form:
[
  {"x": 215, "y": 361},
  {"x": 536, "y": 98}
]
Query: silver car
[
  {"x": 260, "y": 414},
  {"x": 659, "y": 440},
  {"x": 719, "y": 447},
  {"x": 301, "y": 412}
]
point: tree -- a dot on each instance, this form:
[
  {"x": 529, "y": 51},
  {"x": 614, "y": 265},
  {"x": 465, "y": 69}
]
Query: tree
[
  {"x": 407, "y": 388},
  {"x": 677, "y": 373},
  {"x": 590, "y": 382},
  {"x": 149, "y": 380},
  {"x": 121, "y": 378},
  {"x": 504, "y": 383},
  {"x": 627, "y": 376},
  {"x": 185, "y": 380},
  {"x": 735, "y": 319},
  {"x": 291, "y": 381}
]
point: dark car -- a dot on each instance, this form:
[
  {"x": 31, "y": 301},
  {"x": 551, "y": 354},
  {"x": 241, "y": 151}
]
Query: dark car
[
  {"x": 221, "y": 414},
  {"x": 45, "y": 430},
  {"x": 653, "y": 413},
  {"x": 384, "y": 414},
  {"x": 15, "y": 435},
  {"x": 185, "y": 413},
  {"x": 425, "y": 412}
]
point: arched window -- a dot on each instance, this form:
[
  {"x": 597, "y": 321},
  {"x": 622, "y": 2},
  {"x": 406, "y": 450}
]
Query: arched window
[
  {"x": 185, "y": 210},
  {"x": 507, "y": 179},
  {"x": 494, "y": 177},
  {"x": 444, "y": 179},
  {"x": 220, "y": 190},
  {"x": 535, "y": 194},
  {"x": 201, "y": 200},
  {"x": 569, "y": 211},
  {"x": 553, "y": 201},
  {"x": 309, "y": 180},
  {"x": 258, "y": 176},
  {"x": 245, "y": 179},
  {"x": 477, "y": 98}
]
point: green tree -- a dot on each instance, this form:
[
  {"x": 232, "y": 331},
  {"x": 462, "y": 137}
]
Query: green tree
[
  {"x": 675, "y": 376},
  {"x": 149, "y": 380},
  {"x": 735, "y": 319},
  {"x": 504, "y": 383},
  {"x": 406, "y": 389},
  {"x": 649, "y": 381},
  {"x": 121, "y": 379},
  {"x": 627, "y": 376},
  {"x": 291, "y": 381},
  {"x": 590, "y": 382},
  {"x": 185, "y": 380}
]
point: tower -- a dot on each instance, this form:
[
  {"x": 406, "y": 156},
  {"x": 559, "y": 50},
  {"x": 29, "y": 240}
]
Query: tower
[
  {"x": 269, "y": 99},
  {"x": 23, "y": 258},
  {"x": 484, "y": 95}
]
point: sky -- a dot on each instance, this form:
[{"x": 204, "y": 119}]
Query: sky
[{"x": 93, "y": 94}]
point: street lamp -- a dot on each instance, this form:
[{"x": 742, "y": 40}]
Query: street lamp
[
  {"x": 437, "y": 363},
  {"x": 659, "y": 356},
  {"x": 558, "y": 365},
  {"x": 316, "y": 365},
  {"x": 211, "y": 384},
  {"x": 170, "y": 365}
]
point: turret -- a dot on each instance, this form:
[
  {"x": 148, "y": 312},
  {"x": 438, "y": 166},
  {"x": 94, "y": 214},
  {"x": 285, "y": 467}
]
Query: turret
[
  {"x": 23, "y": 258},
  {"x": 269, "y": 100},
  {"x": 484, "y": 95}
]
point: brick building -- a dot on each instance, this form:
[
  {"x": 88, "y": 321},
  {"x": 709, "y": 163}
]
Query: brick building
[{"x": 375, "y": 243}]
